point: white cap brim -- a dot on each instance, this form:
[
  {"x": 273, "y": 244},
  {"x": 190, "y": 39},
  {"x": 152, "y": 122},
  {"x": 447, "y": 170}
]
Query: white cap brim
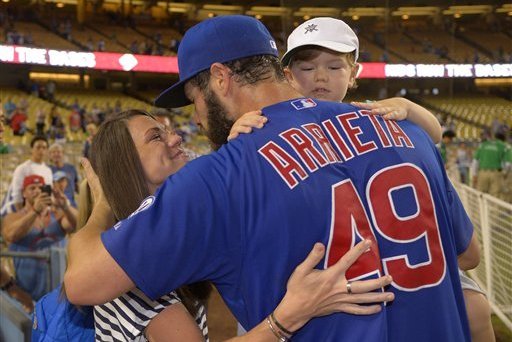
[{"x": 337, "y": 47}]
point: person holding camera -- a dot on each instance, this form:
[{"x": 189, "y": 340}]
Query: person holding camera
[
  {"x": 13, "y": 200},
  {"x": 44, "y": 219}
]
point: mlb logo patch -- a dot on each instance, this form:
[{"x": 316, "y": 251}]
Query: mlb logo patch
[{"x": 303, "y": 103}]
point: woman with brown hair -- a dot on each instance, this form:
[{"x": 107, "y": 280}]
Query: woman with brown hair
[{"x": 132, "y": 155}]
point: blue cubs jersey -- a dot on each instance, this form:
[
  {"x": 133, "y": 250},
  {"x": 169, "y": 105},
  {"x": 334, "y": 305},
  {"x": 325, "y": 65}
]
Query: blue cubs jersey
[{"x": 246, "y": 216}]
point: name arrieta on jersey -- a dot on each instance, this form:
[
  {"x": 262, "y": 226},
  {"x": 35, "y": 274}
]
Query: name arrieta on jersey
[{"x": 317, "y": 145}]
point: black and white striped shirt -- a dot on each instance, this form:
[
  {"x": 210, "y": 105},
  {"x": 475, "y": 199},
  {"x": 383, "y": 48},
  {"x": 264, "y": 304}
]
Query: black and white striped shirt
[{"x": 125, "y": 318}]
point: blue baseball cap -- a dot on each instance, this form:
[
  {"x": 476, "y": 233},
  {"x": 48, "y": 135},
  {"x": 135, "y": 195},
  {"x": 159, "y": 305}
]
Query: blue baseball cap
[
  {"x": 216, "y": 40},
  {"x": 57, "y": 176}
]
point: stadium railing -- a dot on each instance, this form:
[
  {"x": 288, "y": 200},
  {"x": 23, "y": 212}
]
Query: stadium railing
[
  {"x": 15, "y": 324},
  {"x": 492, "y": 219}
]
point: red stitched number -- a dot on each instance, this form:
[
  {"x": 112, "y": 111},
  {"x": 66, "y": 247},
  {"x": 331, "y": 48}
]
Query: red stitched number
[{"x": 350, "y": 219}]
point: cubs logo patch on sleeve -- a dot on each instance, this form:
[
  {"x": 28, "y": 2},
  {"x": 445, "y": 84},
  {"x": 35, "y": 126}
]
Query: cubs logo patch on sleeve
[{"x": 144, "y": 205}]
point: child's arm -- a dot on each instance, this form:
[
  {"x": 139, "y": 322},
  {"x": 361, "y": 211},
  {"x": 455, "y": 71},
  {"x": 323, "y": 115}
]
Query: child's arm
[
  {"x": 399, "y": 108},
  {"x": 246, "y": 123}
]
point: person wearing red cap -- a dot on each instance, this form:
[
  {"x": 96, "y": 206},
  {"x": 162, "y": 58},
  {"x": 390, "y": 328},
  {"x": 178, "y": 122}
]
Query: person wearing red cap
[
  {"x": 13, "y": 200},
  {"x": 36, "y": 227}
]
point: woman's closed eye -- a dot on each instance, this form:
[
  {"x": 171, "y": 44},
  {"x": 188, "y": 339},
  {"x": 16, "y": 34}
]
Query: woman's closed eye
[{"x": 156, "y": 137}]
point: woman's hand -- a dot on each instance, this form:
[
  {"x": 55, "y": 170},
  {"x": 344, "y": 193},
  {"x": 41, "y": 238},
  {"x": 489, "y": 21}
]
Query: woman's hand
[
  {"x": 246, "y": 123},
  {"x": 101, "y": 206},
  {"x": 313, "y": 293}
]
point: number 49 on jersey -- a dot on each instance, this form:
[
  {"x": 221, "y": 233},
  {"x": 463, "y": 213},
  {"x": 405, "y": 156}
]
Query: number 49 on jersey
[{"x": 350, "y": 219}]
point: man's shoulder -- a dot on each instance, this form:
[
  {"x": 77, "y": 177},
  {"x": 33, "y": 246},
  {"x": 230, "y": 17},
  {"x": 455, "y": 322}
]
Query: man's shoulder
[
  {"x": 22, "y": 166},
  {"x": 304, "y": 104}
]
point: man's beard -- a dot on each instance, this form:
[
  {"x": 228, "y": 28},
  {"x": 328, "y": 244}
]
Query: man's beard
[{"x": 219, "y": 125}]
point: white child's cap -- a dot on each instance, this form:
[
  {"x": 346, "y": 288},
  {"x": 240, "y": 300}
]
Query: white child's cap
[{"x": 330, "y": 33}]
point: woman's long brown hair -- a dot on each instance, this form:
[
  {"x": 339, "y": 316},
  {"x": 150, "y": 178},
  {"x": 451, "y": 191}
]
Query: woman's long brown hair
[{"x": 115, "y": 160}]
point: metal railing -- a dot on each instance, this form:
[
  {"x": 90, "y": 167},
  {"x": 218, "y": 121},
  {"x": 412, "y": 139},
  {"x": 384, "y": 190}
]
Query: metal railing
[
  {"x": 43, "y": 255},
  {"x": 492, "y": 220}
]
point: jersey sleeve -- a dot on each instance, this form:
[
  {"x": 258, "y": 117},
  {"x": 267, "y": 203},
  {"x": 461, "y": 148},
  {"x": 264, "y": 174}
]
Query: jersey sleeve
[
  {"x": 462, "y": 226},
  {"x": 181, "y": 235}
]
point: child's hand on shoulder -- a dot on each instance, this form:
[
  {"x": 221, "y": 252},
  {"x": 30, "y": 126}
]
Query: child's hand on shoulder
[{"x": 395, "y": 108}]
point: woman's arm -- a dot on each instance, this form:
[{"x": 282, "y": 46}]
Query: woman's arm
[
  {"x": 173, "y": 324},
  {"x": 314, "y": 293},
  {"x": 310, "y": 293},
  {"x": 399, "y": 108}
]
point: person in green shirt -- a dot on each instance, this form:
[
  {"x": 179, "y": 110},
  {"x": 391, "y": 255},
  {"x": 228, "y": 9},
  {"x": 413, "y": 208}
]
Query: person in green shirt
[
  {"x": 507, "y": 168},
  {"x": 487, "y": 165}
]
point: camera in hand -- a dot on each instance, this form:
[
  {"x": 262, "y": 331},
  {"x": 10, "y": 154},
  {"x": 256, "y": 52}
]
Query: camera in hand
[{"x": 47, "y": 188}]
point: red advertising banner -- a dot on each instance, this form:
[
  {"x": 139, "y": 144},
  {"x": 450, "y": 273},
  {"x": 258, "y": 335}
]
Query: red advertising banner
[
  {"x": 88, "y": 60},
  {"x": 161, "y": 64}
]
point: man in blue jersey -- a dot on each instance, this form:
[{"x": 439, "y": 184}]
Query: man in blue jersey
[{"x": 244, "y": 216}]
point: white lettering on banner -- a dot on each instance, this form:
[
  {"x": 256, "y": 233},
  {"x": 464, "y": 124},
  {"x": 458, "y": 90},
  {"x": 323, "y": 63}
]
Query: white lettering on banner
[
  {"x": 493, "y": 70},
  {"x": 429, "y": 70},
  {"x": 400, "y": 70},
  {"x": 72, "y": 59},
  {"x": 31, "y": 55},
  {"x": 6, "y": 53},
  {"x": 459, "y": 70}
]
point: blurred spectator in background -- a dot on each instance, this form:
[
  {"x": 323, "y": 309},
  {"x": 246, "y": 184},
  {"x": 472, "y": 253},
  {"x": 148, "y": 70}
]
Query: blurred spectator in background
[
  {"x": 59, "y": 167},
  {"x": 117, "y": 107},
  {"x": 507, "y": 169},
  {"x": 36, "y": 165},
  {"x": 9, "y": 108},
  {"x": 40, "y": 121},
  {"x": 4, "y": 148},
  {"x": 34, "y": 89},
  {"x": 19, "y": 122},
  {"x": 76, "y": 105},
  {"x": 89, "y": 44},
  {"x": 57, "y": 128},
  {"x": 50, "y": 90},
  {"x": 447, "y": 140},
  {"x": 95, "y": 111},
  {"x": 134, "y": 47},
  {"x": 91, "y": 129},
  {"x": 35, "y": 227},
  {"x": 23, "y": 104},
  {"x": 464, "y": 162},
  {"x": 101, "y": 45},
  {"x": 75, "y": 121},
  {"x": 487, "y": 165}
]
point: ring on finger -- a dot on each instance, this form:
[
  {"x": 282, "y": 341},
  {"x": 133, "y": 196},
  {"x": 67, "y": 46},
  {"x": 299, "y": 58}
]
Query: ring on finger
[{"x": 349, "y": 287}]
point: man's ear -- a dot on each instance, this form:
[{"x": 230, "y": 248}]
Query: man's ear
[
  {"x": 288, "y": 74},
  {"x": 220, "y": 78}
]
